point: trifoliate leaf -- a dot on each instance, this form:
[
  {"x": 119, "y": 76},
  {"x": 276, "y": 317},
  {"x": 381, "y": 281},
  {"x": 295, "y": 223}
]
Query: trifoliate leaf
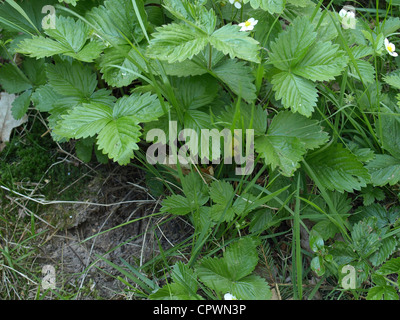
[
  {"x": 382, "y": 293},
  {"x": 302, "y": 59},
  {"x": 69, "y": 38},
  {"x": 288, "y": 138},
  {"x": 117, "y": 128},
  {"x": 232, "y": 273}
]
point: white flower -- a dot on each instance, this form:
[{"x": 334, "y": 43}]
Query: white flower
[
  {"x": 248, "y": 25},
  {"x": 236, "y": 3},
  {"x": 348, "y": 18},
  {"x": 229, "y": 296},
  {"x": 342, "y": 13},
  {"x": 390, "y": 47},
  {"x": 350, "y": 15}
]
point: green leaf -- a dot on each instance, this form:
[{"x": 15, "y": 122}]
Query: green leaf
[
  {"x": 230, "y": 40},
  {"x": 272, "y": 6},
  {"x": 117, "y": 128},
  {"x": 252, "y": 287},
  {"x": 365, "y": 240},
  {"x": 393, "y": 79},
  {"x": 323, "y": 62},
  {"x": 195, "y": 189},
  {"x": 12, "y": 20},
  {"x": 119, "y": 138},
  {"x": 367, "y": 71},
  {"x": 326, "y": 229},
  {"x": 195, "y": 92},
  {"x": 84, "y": 121},
  {"x": 72, "y": 79},
  {"x": 317, "y": 265},
  {"x": 384, "y": 169},
  {"x": 292, "y": 44},
  {"x": 388, "y": 130},
  {"x": 232, "y": 273},
  {"x": 390, "y": 267},
  {"x": 316, "y": 241},
  {"x": 13, "y": 80},
  {"x": 214, "y": 273},
  {"x": 44, "y": 98},
  {"x": 117, "y": 57},
  {"x": 176, "y": 43},
  {"x": 283, "y": 152},
  {"x": 222, "y": 192},
  {"x": 21, "y": 105},
  {"x": 382, "y": 293},
  {"x": 186, "y": 277},
  {"x": 385, "y": 217},
  {"x": 338, "y": 169},
  {"x": 296, "y": 93},
  {"x": 303, "y": 59},
  {"x": 69, "y": 38},
  {"x": 176, "y": 204},
  {"x": 288, "y": 138},
  {"x": 388, "y": 246},
  {"x": 144, "y": 107},
  {"x": 116, "y": 22},
  {"x": 239, "y": 78},
  {"x": 241, "y": 258}
]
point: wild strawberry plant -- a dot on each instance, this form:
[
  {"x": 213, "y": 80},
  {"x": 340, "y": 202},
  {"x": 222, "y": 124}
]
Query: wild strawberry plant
[{"x": 317, "y": 85}]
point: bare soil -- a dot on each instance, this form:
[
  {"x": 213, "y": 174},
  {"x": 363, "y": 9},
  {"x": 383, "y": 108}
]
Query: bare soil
[{"x": 115, "y": 225}]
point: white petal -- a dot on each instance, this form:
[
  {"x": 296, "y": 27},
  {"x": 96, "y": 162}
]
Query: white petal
[
  {"x": 351, "y": 15},
  {"x": 255, "y": 22},
  {"x": 250, "y": 28},
  {"x": 238, "y": 5},
  {"x": 393, "y": 54},
  {"x": 251, "y": 20},
  {"x": 386, "y": 42},
  {"x": 229, "y": 296},
  {"x": 342, "y": 13},
  {"x": 231, "y": 1}
]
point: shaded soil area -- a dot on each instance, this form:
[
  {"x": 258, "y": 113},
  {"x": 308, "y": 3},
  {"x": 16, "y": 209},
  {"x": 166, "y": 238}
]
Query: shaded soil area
[{"x": 112, "y": 220}]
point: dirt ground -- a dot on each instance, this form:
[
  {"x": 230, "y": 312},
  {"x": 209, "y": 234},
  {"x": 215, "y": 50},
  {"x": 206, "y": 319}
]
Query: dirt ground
[{"x": 115, "y": 225}]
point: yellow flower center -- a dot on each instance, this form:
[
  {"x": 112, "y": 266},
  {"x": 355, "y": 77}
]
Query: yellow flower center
[
  {"x": 247, "y": 23},
  {"x": 390, "y": 47}
]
